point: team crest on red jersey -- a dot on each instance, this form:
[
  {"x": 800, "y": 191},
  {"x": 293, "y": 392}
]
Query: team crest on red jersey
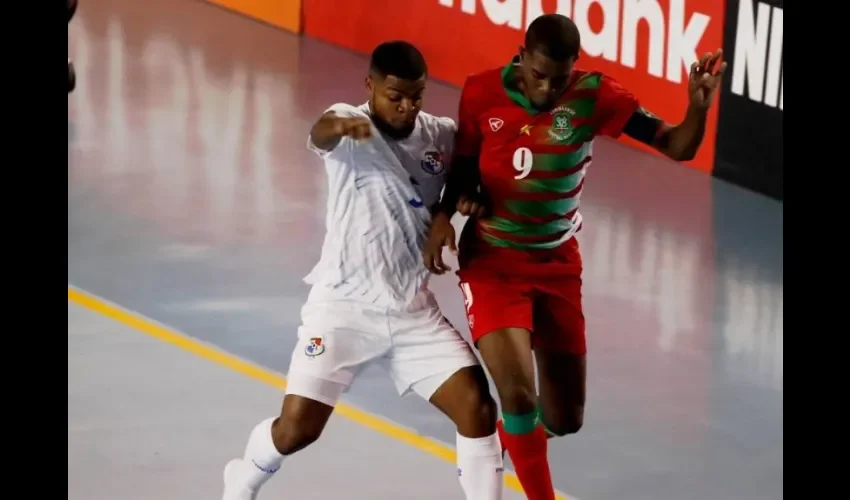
[
  {"x": 562, "y": 127},
  {"x": 433, "y": 163}
]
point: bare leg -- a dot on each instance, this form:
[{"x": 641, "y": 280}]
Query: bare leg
[
  {"x": 508, "y": 356},
  {"x": 300, "y": 423},
  {"x": 563, "y": 379},
  {"x": 465, "y": 399}
]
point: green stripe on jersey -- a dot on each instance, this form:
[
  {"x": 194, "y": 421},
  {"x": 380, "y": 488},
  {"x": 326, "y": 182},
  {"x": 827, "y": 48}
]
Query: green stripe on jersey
[
  {"x": 558, "y": 185},
  {"x": 589, "y": 81},
  {"x": 552, "y": 162},
  {"x": 537, "y": 208},
  {"x": 503, "y": 243},
  {"x": 582, "y": 108},
  {"x": 526, "y": 228}
]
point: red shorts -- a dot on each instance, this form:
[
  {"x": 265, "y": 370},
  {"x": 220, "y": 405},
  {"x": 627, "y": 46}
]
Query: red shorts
[{"x": 538, "y": 292}]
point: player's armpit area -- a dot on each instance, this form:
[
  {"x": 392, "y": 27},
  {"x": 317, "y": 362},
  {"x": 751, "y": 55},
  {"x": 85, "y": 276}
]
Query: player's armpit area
[{"x": 645, "y": 127}]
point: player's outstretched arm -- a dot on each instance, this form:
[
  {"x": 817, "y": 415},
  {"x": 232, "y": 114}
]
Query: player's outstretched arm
[
  {"x": 681, "y": 142},
  {"x": 331, "y": 128}
]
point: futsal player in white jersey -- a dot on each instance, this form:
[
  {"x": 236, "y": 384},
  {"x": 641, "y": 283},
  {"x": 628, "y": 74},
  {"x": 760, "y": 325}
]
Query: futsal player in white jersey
[{"x": 369, "y": 302}]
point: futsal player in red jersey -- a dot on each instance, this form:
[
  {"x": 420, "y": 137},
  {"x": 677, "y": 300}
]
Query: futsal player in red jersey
[{"x": 524, "y": 142}]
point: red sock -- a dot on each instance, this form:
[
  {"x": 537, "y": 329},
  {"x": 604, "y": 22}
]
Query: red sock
[{"x": 529, "y": 456}]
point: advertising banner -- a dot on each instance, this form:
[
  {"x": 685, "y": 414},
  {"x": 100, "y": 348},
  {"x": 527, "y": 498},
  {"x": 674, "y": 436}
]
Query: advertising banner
[
  {"x": 749, "y": 137},
  {"x": 284, "y": 14},
  {"x": 647, "y": 45}
]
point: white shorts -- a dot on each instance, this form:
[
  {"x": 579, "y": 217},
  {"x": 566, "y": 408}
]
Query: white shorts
[{"x": 417, "y": 346}]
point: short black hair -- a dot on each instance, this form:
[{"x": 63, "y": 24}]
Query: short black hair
[
  {"x": 399, "y": 59},
  {"x": 553, "y": 35}
]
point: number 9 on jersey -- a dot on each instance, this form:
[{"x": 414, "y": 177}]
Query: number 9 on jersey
[{"x": 522, "y": 162}]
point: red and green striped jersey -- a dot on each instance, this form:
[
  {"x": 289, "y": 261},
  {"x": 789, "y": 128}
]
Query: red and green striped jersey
[{"x": 533, "y": 163}]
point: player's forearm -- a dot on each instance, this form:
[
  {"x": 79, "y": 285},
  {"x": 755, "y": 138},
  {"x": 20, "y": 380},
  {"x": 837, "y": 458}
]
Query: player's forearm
[
  {"x": 451, "y": 195},
  {"x": 325, "y": 134},
  {"x": 682, "y": 142},
  {"x": 462, "y": 179}
]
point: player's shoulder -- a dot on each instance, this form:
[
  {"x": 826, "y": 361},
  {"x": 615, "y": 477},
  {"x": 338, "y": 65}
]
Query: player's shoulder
[
  {"x": 482, "y": 91},
  {"x": 438, "y": 130},
  {"x": 484, "y": 80},
  {"x": 596, "y": 80},
  {"x": 436, "y": 123},
  {"x": 347, "y": 110}
]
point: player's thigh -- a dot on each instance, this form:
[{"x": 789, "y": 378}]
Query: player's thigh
[
  {"x": 558, "y": 315},
  {"x": 427, "y": 351},
  {"x": 500, "y": 318},
  {"x": 494, "y": 304},
  {"x": 430, "y": 358},
  {"x": 560, "y": 351},
  {"x": 335, "y": 342},
  {"x": 507, "y": 354}
]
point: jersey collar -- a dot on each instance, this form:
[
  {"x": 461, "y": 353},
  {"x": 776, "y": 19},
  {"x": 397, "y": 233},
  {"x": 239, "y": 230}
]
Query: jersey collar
[{"x": 509, "y": 84}]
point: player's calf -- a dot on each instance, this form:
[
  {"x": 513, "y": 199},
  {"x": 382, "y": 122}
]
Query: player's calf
[
  {"x": 465, "y": 399},
  {"x": 564, "y": 422},
  {"x": 563, "y": 390},
  {"x": 300, "y": 424}
]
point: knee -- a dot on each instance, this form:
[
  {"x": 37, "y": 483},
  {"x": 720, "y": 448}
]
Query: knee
[
  {"x": 483, "y": 412},
  {"x": 569, "y": 422},
  {"x": 291, "y": 434},
  {"x": 479, "y": 415},
  {"x": 517, "y": 398}
]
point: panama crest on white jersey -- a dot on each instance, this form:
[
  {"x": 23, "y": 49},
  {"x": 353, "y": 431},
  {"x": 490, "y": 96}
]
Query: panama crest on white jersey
[{"x": 380, "y": 195}]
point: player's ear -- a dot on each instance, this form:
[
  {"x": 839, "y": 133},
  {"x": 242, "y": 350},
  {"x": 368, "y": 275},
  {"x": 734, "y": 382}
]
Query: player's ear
[
  {"x": 521, "y": 53},
  {"x": 370, "y": 84}
]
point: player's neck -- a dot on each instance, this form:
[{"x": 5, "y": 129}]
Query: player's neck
[{"x": 519, "y": 84}]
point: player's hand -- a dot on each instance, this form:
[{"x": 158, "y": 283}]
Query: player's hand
[
  {"x": 704, "y": 80},
  {"x": 356, "y": 128},
  {"x": 441, "y": 234},
  {"x": 471, "y": 207}
]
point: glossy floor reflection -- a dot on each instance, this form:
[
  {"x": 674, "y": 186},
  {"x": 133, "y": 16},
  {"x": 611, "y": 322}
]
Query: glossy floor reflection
[{"x": 192, "y": 199}]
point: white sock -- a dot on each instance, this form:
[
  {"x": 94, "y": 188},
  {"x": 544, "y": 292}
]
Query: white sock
[
  {"x": 480, "y": 468},
  {"x": 261, "y": 458}
]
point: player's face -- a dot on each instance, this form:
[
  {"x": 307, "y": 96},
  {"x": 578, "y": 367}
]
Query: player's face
[
  {"x": 397, "y": 102},
  {"x": 544, "y": 79}
]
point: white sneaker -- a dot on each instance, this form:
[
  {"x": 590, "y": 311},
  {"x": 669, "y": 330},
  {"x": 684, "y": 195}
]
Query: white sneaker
[{"x": 233, "y": 488}]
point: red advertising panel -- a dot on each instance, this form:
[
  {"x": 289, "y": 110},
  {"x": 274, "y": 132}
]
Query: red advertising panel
[{"x": 647, "y": 45}]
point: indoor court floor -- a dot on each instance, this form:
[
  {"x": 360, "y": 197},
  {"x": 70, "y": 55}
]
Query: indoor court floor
[{"x": 195, "y": 209}]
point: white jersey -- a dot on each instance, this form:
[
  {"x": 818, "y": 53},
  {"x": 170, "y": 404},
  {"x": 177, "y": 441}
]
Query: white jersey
[{"x": 380, "y": 195}]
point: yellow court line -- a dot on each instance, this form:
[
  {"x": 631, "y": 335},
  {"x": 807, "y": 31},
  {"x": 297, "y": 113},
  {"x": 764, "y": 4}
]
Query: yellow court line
[{"x": 268, "y": 377}]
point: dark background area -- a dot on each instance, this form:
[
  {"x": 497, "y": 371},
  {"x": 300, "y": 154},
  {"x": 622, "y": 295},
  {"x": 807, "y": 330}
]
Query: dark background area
[{"x": 749, "y": 133}]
